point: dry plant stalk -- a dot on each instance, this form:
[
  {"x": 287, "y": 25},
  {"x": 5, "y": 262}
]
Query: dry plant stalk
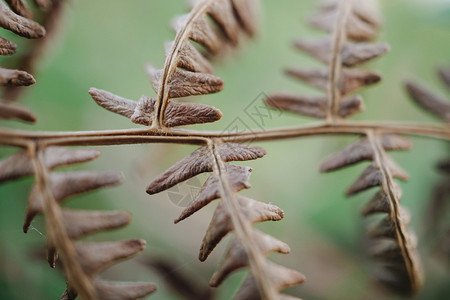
[{"x": 217, "y": 25}]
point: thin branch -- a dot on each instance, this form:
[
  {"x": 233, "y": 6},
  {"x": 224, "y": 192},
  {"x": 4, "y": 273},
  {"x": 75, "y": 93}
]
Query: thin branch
[
  {"x": 143, "y": 136},
  {"x": 339, "y": 37}
]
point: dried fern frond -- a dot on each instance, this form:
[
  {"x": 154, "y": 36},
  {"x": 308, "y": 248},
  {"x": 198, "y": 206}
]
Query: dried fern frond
[
  {"x": 391, "y": 244},
  {"x": 187, "y": 71},
  {"x": 345, "y": 19},
  {"x": 439, "y": 107},
  {"x": 11, "y": 111},
  {"x": 234, "y": 213},
  {"x": 82, "y": 261},
  {"x": 17, "y": 19},
  {"x": 22, "y": 26},
  {"x": 52, "y": 19}
]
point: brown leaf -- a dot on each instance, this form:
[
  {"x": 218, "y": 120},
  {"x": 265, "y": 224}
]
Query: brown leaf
[
  {"x": 221, "y": 11},
  {"x": 43, "y": 4},
  {"x": 176, "y": 114},
  {"x": 19, "y": 164},
  {"x": 362, "y": 150},
  {"x": 238, "y": 177},
  {"x": 19, "y": 25},
  {"x": 190, "y": 59},
  {"x": 281, "y": 278},
  {"x": 444, "y": 166},
  {"x": 7, "y": 47},
  {"x": 254, "y": 212},
  {"x": 123, "y": 290},
  {"x": 97, "y": 256},
  {"x": 356, "y": 28},
  {"x": 10, "y": 77},
  {"x": 367, "y": 11},
  {"x": 372, "y": 176},
  {"x": 79, "y": 223},
  {"x": 185, "y": 83},
  {"x": 435, "y": 104},
  {"x": 350, "y": 106},
  {"x": 200, "y": 161},
  {"x": 352, "y": 53},
  {"x": 313, "y": 106},
  {"x": 386, "y": 228},
  {"x": 179, "y": 280},
  {"x": 444, "y": 74},
  {"x": 386, "y": 249},
  {"x": 236, "y": 257},
  {"x": 66, "y": 184},
  {"x": 11, "y": 111},
  {"x": 204, "y": 34},
  {"x": 380, "y": 202},
  {"x": 247, "y": 12},
  {"x": 350, "y": 79},
  {"x": 113, "y": 102},
  {"x": 20, "y": 7}
]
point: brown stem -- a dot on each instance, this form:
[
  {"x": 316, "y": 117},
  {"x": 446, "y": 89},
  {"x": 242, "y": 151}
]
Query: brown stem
[
  {"x": 141, "y": 136},
  {"x": 339, "y": 37}
]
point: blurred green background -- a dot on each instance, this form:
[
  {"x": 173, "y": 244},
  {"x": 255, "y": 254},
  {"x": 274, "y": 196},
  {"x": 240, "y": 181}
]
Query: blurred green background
[{"x": 106, "y": 45}]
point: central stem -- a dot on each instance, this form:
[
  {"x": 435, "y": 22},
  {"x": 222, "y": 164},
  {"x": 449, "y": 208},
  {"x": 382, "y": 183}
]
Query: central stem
[{"x": 339, "y": 37}]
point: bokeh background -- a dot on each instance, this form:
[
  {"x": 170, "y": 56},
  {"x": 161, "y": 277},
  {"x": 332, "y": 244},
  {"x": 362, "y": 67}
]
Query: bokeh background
[{"x": 105, "y": 44}]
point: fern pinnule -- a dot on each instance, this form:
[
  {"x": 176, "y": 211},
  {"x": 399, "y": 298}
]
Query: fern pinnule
[
  {"x": 21, "y": 8},
  {"x": 346, "y": 19},
  {"x": 180, "y": 281},
  {"x": 19, "y": 25},
  {"x": 11, "y": 111},
  {"x": 429, "y": 100}
]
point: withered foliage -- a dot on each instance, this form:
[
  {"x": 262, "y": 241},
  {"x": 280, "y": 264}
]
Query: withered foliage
[
  {"x": 437, "y": 226},
  {"x": 82, "y": 261},
  {"x": 358, "y": 23},
  {"x": 390, "y": 242},
  {"x": 187, "y": 72},
  {"x": 212, "y": 28},
  {"x": 179, "y": 281},
  {"x": 216, "y": 26}
]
